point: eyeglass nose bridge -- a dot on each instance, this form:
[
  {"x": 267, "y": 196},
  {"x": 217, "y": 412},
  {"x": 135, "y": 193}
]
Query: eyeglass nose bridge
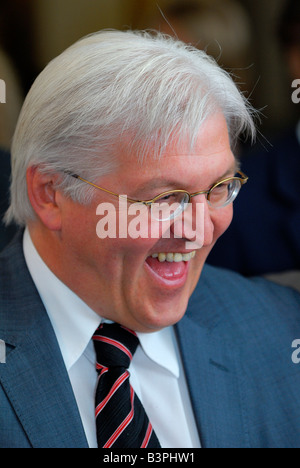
[{"x": 196, "y": 194}]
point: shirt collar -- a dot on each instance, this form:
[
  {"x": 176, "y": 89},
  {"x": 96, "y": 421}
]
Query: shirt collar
[
  {"x": 161, "y": 348},
  {"x": 74, "y": 322}
]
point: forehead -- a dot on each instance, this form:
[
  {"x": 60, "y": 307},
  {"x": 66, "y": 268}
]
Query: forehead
[{"x": 211, "y": 156}]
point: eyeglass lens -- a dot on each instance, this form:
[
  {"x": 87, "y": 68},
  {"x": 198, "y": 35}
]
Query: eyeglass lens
[{"x": 173, "y": 204}]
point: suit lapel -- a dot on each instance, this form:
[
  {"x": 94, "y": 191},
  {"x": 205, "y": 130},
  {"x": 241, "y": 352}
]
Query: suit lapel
[
  {"x": 34, "y": 377},
  {"x": 38, "y": 387},
  {"x": 212, "y": 371}
]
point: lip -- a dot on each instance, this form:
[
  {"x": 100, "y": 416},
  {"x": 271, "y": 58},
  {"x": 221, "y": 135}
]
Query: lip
[{"x": 172, "y": 283}]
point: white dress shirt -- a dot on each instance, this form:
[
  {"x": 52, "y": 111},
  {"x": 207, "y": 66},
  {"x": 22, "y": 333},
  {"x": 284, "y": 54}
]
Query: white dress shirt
[{"x": 156, "y": 370}]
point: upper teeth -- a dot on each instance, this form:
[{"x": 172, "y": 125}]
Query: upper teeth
[{"x": 174, "y": 257}]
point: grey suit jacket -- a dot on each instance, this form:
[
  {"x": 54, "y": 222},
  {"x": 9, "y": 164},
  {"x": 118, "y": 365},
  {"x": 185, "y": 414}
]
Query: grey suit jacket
[{"x": 236, "y": 344}]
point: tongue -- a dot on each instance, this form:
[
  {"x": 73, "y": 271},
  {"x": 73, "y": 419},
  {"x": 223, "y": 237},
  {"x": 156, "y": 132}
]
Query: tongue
[{"x": 167, "y": 270}]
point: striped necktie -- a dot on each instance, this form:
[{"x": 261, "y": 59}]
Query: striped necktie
[{"x": 121, "y": 420}]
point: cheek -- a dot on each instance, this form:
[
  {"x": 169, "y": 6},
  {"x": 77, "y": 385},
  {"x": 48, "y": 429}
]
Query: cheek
[{"x": 222, "y": 220}]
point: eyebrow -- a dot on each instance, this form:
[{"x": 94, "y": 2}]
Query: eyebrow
[{"x": 161, "y": 182}]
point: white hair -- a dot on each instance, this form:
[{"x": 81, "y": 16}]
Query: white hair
[{"x": 109, "y": 86}]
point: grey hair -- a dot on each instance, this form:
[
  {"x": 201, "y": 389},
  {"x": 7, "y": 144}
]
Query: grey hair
[{"x": 142, "y": 87}]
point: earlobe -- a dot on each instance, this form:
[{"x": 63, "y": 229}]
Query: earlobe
[{"x": 43, "y": 197}]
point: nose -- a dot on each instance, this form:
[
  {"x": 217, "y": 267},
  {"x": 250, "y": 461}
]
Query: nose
[{"x": 195, "y": 224}]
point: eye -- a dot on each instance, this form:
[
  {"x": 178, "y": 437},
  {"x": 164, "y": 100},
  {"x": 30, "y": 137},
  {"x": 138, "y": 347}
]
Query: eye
[
  {"x": 173, "y": 197},
  {"x": 169, "y": 205},
  {"x": 221, "y": 189},
  {"x": 167, "y": 198},
  {"x": 224, "y": 193}
]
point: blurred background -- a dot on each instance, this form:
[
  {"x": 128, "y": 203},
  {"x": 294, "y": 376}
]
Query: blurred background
[
  {"x": 241, "y": 34},
  {"x": 258, "y": 41}
]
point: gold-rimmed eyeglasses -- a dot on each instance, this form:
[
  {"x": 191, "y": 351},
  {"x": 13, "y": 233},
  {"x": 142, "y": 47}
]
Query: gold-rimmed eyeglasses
[{"x": 221, "y": 194}]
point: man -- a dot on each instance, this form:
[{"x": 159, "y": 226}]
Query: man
[{"x": 124, "y": 178}]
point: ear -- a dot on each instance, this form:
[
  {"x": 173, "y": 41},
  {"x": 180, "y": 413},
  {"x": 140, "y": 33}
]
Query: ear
[{"x": 44, "y": 198}]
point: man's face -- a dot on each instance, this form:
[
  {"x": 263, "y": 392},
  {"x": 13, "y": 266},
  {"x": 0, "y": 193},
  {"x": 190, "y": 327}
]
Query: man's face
[{"x": 118, "y": 277}]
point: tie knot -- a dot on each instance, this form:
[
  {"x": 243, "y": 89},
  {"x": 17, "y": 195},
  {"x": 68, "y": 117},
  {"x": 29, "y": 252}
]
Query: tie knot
[{"x": 115, "y": 345}]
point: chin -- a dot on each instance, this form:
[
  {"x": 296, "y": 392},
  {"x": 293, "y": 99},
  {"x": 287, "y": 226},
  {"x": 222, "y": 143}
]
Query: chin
[{"x": 162, "y": 314}]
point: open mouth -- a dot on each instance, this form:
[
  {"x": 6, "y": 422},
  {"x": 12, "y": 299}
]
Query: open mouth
[
  {"x": 170, "y": 266},
  {"x": 174, "y": 257}
]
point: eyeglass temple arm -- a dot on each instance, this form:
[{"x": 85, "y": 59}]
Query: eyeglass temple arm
[
  {"x": 76, "y": 176},
  {"x": 244, "y": 178}
]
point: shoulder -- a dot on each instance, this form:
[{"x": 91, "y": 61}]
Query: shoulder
[
  {"x": 255, "y": 289},
  {"x": 239, "y": 304},
  {"x": 12, "y": 262},
  {"x": 18, "y": 296},
  {"x": 255, "y": 321}
]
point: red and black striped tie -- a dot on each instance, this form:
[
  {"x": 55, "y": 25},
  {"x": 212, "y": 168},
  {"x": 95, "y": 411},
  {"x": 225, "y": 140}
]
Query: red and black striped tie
[{"x": 121, "y": 420}]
